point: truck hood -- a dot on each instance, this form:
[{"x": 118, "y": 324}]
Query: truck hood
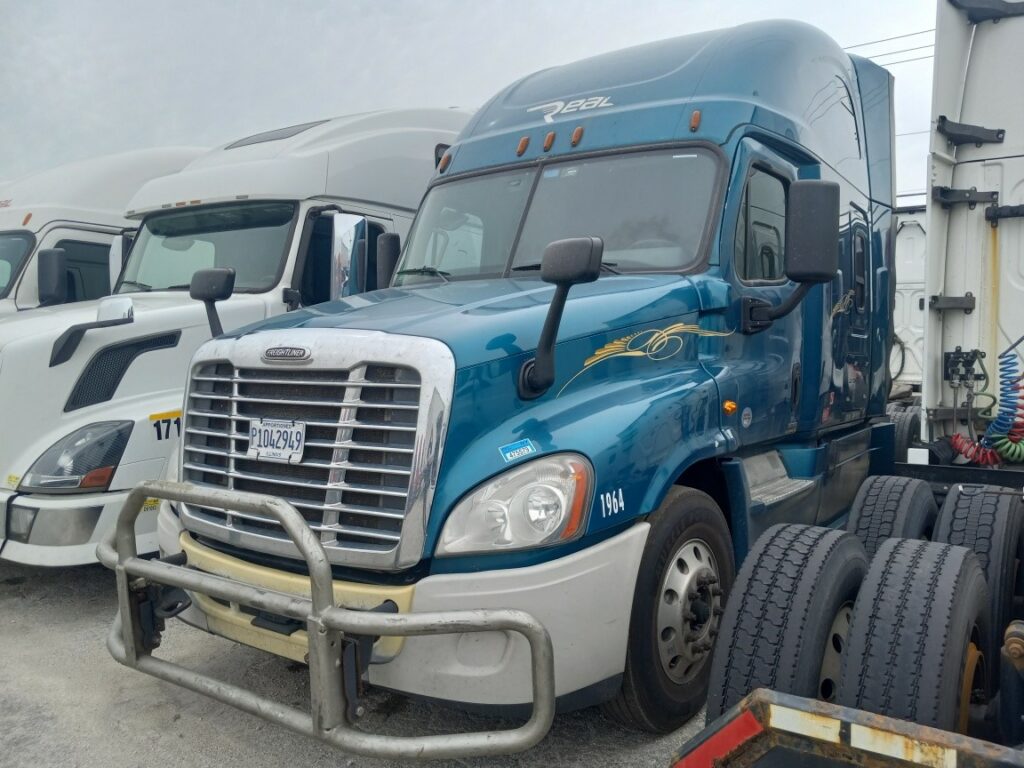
[{"x": 484, "y": 320}]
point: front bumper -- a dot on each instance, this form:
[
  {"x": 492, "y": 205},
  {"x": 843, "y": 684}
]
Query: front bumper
[
  {"x": 64, "y": 530},
  {"x": 335, "y": 634},
  {"x": 583, "y": 600}
]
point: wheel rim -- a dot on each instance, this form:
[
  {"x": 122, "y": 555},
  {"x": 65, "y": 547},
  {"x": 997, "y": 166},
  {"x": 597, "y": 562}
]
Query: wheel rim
[
  {"x": 689, "y": 611},
  {"x": 972, "y": 675},
  {"x": 832, "y": 658}
]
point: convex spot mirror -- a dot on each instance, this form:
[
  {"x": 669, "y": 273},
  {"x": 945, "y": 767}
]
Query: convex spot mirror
[
  {"x": 115, "y": 308},
  {"x": 572, "y": 261},
  {"x": 348, "y": 254},
  {"x": 812, "y": 231}
]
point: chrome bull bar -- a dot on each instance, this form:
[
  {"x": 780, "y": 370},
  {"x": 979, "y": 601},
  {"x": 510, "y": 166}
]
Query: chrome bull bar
[{"x": 330, "y": 718}]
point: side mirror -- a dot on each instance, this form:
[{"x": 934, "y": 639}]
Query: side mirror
[
  {"x": 812, "y": 250},
  {"x": 115, "y": 259},
  {"x": 565, "y": 263},
  {"x": 389, "y": 248},
  {"x": 52, "y": 266},
  {"x": 812, "y": 231},
  {"x": 346, "y": 232},
  {"x": 210, "y": 286}
]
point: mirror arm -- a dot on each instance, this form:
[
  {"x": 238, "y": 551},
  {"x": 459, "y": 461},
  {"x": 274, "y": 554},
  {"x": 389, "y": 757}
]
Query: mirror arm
[
  {"x": 758, "y": 314},
  {"x": 537, "y": 375},
  {"x": 216, "y": 329}
]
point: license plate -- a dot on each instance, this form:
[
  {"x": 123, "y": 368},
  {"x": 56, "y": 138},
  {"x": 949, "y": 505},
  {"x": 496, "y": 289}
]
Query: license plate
[{"x": 276, "y": 440}]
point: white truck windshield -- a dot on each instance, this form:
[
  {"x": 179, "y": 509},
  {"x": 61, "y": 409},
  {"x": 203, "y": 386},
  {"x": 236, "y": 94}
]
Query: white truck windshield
[
  {"x": 251, "y": 238},
  {"x": 650, "y": 208},
  {"x": 14, "y": 249}
]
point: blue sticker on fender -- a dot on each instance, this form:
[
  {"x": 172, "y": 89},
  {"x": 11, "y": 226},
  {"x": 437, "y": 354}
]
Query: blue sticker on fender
[{"x": 517, "y": 450}]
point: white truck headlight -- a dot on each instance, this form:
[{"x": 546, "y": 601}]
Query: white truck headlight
[
  {"x": 539, "y": 503},
  {"x": 83, "y": 461}
]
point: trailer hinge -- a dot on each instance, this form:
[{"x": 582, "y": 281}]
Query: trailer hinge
[
  {"x": 966, "y": 303},
  {"x": 988, "y": 10},
  {"x": 996, "y": 212},
  {"x": 948, "y": 196},
  {"x": 965, "y": 133}
]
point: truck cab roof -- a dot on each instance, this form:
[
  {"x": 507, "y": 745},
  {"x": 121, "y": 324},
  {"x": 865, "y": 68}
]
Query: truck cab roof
[
  {"x": 94, "y": 191},
  {"x": 742, "y": 75},
  {"x": 372, "y": 149}
]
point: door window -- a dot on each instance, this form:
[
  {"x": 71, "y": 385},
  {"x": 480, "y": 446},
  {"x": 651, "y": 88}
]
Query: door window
[
  {"x": 88, "y": 269},
  {"x": 761, "y": 230}
]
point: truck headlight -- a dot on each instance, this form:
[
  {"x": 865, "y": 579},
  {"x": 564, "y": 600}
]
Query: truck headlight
[
  {"x": 536, "y": 504},
  {"x": 83, "y": 461}
]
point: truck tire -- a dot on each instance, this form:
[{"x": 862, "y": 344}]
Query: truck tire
[
  {"x": 892, "y": 507},
  {"x": 784, "y": 626},
  {"x": 990, "y": 525},
  {"x": 914, "y": 647},
  {"x": 908, "y": 430},
  {"x": 685, "y": 574},
  {"x": 892, "y": 409}
]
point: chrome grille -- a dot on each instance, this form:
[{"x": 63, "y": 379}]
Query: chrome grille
[{"x": 353, "y": 483}]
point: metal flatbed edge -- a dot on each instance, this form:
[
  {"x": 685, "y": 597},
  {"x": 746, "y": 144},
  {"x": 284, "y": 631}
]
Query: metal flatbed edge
[{"x": 776, "y": 730}]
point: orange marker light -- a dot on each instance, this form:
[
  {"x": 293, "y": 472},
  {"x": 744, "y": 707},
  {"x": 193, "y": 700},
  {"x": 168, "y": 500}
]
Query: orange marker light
[
  {"x": 694, "y": 120},
  {"x": 577, "y": 135},
  {"x": 446, "y": 160},
  {"x": 581, "y": 493},
  {"x": 25, "y": 221},
  {"x": 523, "y": 144},
  {"x": 549, "y": 141},
  {"x": 729, "y": 406},
  {"x": 97, "y": 478}
]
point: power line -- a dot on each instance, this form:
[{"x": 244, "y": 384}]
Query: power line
[
  {"x": 913, "y": 133},
  {"x": 904, "y": 61},
  {"x": 904, "y": 50},
  {"x": 887, "y": 39}
]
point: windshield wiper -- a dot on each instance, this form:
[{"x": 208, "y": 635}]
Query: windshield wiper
[
  {"x": 182, "y": 287},
  {"x": 137, "y": 284},
  {"x": 606, "y": 266},
  {"x": 431, "y": 271}
]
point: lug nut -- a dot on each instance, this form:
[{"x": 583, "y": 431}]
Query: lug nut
[{"x": 716, "y": 591}]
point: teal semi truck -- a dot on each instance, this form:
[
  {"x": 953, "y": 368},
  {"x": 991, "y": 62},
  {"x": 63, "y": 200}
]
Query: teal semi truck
[{"x": 642, "y": 315}]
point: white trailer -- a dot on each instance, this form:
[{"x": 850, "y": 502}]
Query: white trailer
[
  {"x": 78, "y": 209},
  {"x": 99, "y": 384}
]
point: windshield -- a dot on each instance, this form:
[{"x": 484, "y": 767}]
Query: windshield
[
  {"x": 251, "y": 238},
  {"x": 14, "y": 248},
  {"x": 649, "y": 208}
]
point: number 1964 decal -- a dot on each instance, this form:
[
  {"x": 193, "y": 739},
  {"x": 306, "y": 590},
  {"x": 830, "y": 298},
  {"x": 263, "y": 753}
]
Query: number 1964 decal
[{"x": 612, "y": 502}]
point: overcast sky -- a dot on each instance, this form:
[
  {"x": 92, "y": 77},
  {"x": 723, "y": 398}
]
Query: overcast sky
[{"x": 81, "y": 78}]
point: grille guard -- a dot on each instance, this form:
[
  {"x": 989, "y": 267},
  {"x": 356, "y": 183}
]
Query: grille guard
[{"x": 326, "y": 623}]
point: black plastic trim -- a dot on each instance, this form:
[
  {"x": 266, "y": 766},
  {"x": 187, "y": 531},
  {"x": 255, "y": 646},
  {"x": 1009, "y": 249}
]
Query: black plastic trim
[
  {"x": 94, "y": 386},
  {"x": 67, "y": 343}
]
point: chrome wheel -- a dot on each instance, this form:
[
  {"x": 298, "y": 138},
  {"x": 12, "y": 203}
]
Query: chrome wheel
[
  {"x": 689, "y": 611},
  {"x": 832, "y": 659}
]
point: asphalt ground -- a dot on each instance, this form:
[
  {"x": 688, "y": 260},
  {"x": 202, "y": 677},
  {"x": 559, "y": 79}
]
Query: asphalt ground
[{"x": 65, "y": 702}]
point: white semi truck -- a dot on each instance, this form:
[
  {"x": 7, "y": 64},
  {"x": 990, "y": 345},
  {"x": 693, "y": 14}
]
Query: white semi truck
[
  {"x": 295, "y": 213},
  {"x": 60, "y": 223}
]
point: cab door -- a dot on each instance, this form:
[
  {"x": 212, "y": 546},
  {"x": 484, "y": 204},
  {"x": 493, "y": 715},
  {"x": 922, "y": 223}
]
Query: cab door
[{"x": 765, "y": 365}]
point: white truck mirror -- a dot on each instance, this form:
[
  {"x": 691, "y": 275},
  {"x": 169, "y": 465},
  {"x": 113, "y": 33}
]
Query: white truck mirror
[
  {"x": 115, "y": 259},
  {"x": 348, "y": 254},
  {"x": 115, "y": 308}
]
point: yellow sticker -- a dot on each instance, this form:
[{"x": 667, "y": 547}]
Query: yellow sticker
[
  {"x": 150, "y": 504},
  {"x": 165, "y": 415},
  {"x": 13, "y": 481}
]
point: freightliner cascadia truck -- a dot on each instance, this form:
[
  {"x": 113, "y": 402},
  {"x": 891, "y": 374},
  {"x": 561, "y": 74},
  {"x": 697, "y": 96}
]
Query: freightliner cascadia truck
[
  {"x": 293, "y": 212},
  {"x": 642, "y": 315},
  {"x": 59, "y": 224}
]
